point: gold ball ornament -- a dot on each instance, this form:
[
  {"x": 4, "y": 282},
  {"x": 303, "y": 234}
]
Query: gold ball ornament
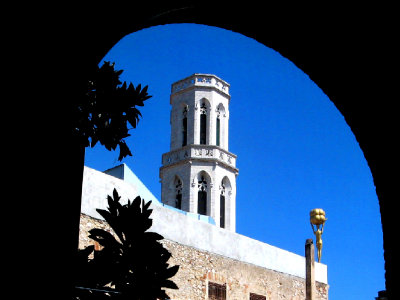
[{"x": 317, "y": 216}]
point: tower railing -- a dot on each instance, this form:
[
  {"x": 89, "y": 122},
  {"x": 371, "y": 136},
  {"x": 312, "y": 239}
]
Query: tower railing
[{"x": 205, "y": 152}]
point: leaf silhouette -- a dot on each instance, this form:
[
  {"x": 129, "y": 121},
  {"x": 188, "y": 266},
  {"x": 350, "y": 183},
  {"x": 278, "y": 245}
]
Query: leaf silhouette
[
  {"x": 103, "y": 112},
  {"x": 136, "y": 265},
  {"x": 104, "y": 238}
]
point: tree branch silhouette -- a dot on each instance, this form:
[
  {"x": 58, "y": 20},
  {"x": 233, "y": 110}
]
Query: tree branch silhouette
[
  {"x": 105, "y": 108},
  {"x": 101, "y": 110},
  {"x": 132, "y": 264}
]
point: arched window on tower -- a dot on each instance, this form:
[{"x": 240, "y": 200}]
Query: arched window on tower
[
  {"x": 218, "y": 127},
  {"x": 184, "y": 126},
  {"x": 203, "y": 124},
  {"x": 178, "y": 193},
  {"x": 202, "y": 196},
  {"x": 222, "y": 206},
  {"x": 224, "y": 202}
]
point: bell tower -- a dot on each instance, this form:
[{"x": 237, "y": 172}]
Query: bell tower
[{"x": 198, "y": 174}]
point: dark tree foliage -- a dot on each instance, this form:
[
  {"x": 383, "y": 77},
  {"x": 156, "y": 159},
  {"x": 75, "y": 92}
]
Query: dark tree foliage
[
  {"x": 103, "y": 111},
  {"x": 133, "y": 265}
]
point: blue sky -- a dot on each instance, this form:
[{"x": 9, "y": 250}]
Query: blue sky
[{"x": 295, "y": 150}]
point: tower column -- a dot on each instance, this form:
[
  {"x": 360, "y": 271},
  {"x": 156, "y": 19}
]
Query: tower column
[
  {"x": 212, "y": 114},
  {"x": 196, "y": 124}
]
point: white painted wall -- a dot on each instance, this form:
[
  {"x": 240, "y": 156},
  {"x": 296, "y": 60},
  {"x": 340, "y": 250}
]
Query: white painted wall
[{"x": 187, "y": 231}]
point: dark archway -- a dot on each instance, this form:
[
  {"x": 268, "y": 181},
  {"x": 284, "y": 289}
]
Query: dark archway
[{"x": 346, "y": 51}]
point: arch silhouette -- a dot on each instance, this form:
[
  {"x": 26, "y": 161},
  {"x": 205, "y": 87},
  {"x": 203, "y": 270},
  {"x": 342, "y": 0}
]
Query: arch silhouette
[
  {"x": 184, "y": 123},
  {"x": 203, "y": 201},
  {"x": 221, "y": 128},
  {"x": 177, "y": 186},
  {"x": 225, "y": 201},
  {"x": 205, "y": 121},
  {"x": 226, "y": 182},
  {"x": 221, "y": 108},
  {"x": 349, "y": 70}
]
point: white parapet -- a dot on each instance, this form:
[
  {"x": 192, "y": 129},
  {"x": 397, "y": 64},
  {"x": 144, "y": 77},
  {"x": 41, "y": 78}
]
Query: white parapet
[
  {"x": 194, "y": 233},
  {"x": 202, "y": 80}
]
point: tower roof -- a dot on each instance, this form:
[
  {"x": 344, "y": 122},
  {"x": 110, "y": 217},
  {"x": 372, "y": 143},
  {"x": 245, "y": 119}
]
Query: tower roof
[{"x": 201, "y": 80}]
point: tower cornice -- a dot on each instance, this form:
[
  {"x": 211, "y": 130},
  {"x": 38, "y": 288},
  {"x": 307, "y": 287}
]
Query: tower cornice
[
  {"x": 209, "y": 153},
  {"x": 208, "y": 81}
]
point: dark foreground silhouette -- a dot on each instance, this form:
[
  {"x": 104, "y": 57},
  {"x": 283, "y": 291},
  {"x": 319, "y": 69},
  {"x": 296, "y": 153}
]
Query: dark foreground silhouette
[{"x": 132, "y": 263}]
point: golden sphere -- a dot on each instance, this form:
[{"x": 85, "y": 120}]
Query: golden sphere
[
  {"x": 317, "y": 219},
  {"x": 314, "y": 221},
  {"x": 317, "y": 211}
]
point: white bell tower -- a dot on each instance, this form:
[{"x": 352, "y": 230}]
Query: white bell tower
[{"x": 198, "y": 175}]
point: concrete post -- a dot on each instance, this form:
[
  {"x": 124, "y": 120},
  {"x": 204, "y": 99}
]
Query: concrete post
[{"x": 310, "y": 279}]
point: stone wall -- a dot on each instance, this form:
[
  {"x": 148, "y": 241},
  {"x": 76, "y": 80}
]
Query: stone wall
[{"x": 198, "y": 267}]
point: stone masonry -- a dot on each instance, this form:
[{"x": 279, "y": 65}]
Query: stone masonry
[{"x": 198, "y": 267}]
